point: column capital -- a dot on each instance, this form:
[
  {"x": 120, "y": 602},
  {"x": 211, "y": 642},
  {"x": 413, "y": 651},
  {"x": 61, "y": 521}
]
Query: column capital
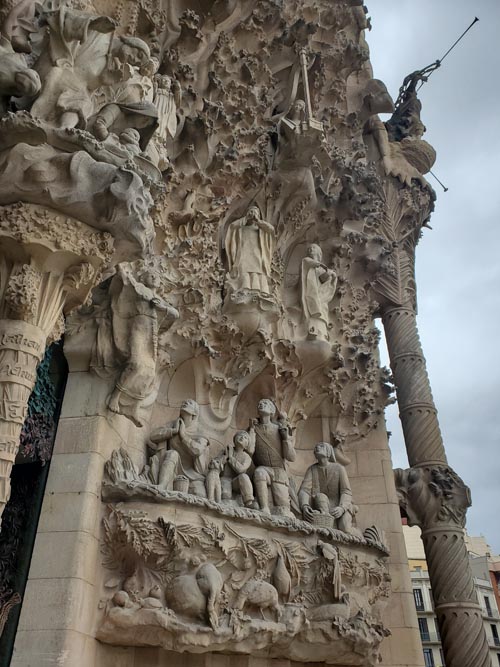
[{"x": 433, "y": 496}]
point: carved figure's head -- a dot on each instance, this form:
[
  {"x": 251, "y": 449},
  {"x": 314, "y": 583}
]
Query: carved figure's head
[
  {"x": 323, "y": 451},
  {"x": 190, "y": 407},
  {"x": 133, "y": 51},
  {"x": 315, "y": 252},
  {"x": 298, "y": 109},
  {"x": 253, "y": 213},
  {"x": 266, "y": 407},
  {"x": 150, "y": 67},
  {"x": 164, "y": 82},
  {"x": 151, "y": 279},
  {"x": 241, "y": 440}
]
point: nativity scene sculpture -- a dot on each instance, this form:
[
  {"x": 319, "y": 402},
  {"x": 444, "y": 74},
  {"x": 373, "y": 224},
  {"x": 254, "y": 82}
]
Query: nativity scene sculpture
[
  {"x": 241, "y": 194},
  {"x": 223, "y": 589}
]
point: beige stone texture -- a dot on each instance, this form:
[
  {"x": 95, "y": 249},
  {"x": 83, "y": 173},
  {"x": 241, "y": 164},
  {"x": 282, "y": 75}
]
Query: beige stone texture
[{"x": 246, "y": 217}]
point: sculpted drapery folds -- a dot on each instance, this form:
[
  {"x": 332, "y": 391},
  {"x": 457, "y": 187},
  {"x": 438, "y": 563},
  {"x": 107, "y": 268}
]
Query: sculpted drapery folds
[
  {"x": 129, "y": 325},
  {"x": 325, "y": 489},
  {"x": 318, "y": 285},
  {"x": 182, "y": 452},
  {"x": 249, "y": 246},
  {"x": 189, "y": 134}
]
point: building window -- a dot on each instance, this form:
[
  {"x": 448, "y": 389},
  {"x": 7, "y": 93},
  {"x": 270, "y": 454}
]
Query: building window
[
  {"x": 428, "y": 657},
  {"x": 494, "y": 632},
  {"x": 487, "y": 605},
  {"x": 424, "y": 629},
  {"x": 441, "y": 655},
  {"x": 419, "y": 600}
]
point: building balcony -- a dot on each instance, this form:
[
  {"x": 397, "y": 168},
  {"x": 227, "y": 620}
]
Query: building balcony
[
  {"x": 424, "y": 609},
  {"x": 430, "y": 638},
  {"x": 494, "y": 641}
]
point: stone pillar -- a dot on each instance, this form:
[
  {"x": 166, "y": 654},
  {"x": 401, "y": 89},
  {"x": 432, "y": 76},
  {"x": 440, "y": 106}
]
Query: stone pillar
[
  {"x": 22, "y": 346},
  {"x": 434, "y": 497},
  {"x": 48, "y": 265}
]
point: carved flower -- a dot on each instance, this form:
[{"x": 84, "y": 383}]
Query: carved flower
[{"x": 22, "y": 292}]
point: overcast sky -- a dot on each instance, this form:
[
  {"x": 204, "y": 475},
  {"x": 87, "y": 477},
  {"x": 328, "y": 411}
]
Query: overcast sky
[{"x": 458, "y": 269}]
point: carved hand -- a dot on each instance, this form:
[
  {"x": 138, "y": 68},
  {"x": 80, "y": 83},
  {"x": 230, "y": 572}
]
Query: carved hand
[
  {"x": 307, "y": 512},
  {"x": 337, "y": 512},
  {"x": 100, "y": 129}
]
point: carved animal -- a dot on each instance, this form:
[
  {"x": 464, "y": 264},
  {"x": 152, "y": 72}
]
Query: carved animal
[
  {"x": 210, "y": 584},
  {"x": 16, "y": 78},
  {"x": 259, "y": 594},
  {"x": 197, "y": 595}
]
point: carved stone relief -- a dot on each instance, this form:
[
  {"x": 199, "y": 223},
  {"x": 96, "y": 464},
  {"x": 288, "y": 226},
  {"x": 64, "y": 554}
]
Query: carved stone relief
[
  {"x": 261, "y": 216},
  {"x": 209, "y": 584}
]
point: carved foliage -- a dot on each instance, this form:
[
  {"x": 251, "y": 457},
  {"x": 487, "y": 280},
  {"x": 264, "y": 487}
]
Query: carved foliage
[{"x": 433, "y": 496}]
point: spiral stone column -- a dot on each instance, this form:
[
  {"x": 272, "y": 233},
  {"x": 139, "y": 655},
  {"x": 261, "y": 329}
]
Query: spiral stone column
[
  {"x": 418, "y": 413},
  {"x": 434, "y": 497},
  {"x": 48, "y": 265}
]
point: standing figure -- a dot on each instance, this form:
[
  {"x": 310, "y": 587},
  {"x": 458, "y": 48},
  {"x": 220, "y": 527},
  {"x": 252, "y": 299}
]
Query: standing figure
[
  {"x": 249, "y": 247},
  {"x": 299, "y": 139},
  {"x": 318, "y": 285},
  {"x": 138, "y": 313},
  {"x": 274, "y": 446},
  {"x": 181, "y": 450},
  {"x": 326, "y": 489},
  {"x": 167, "y": 98}
]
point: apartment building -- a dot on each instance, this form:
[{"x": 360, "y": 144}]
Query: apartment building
[{"x": 486, "y": 570}]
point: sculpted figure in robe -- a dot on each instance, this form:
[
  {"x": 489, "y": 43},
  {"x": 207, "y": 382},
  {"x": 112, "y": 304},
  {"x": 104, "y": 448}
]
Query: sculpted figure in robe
[
  {"x": 131, "y": 336},
  {"x": 325, "y": 489},
  {"x": 167, "y": 98},
  {"x": 181, "y": 451},
  {"x": 249, "y": 247},
  {"x": 130, "y": 97},
  {"x": 274, "y": 445},
  {"x": 318, "y": 285},
  {"x": 80, "y": 55},
  {"x": 299, "y": 139}
]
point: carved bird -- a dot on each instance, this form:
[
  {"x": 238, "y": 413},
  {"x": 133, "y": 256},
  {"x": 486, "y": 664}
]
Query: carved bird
[{"x": 281, "y": 579}]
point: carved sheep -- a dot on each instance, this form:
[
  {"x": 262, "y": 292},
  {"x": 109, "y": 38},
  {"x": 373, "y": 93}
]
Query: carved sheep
[{"x": 259, "y": 594}]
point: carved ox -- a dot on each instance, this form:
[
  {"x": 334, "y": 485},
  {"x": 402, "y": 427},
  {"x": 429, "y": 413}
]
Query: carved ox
[{"x": 16, "y": 78}]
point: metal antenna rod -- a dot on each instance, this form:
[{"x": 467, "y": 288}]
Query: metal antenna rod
[
  {"x": 437, "y": 179},
  {"x": 452, "y": 47}
]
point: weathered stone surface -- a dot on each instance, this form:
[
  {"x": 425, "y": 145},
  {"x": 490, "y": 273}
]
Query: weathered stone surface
[{"x": 212, "y": 182}]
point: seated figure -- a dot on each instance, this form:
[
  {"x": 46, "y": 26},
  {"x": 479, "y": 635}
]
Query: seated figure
[
  {"x": 180, "y": 451},
  {"x": 325, "y": 489},
  {"x": 234, "y": 464}
]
